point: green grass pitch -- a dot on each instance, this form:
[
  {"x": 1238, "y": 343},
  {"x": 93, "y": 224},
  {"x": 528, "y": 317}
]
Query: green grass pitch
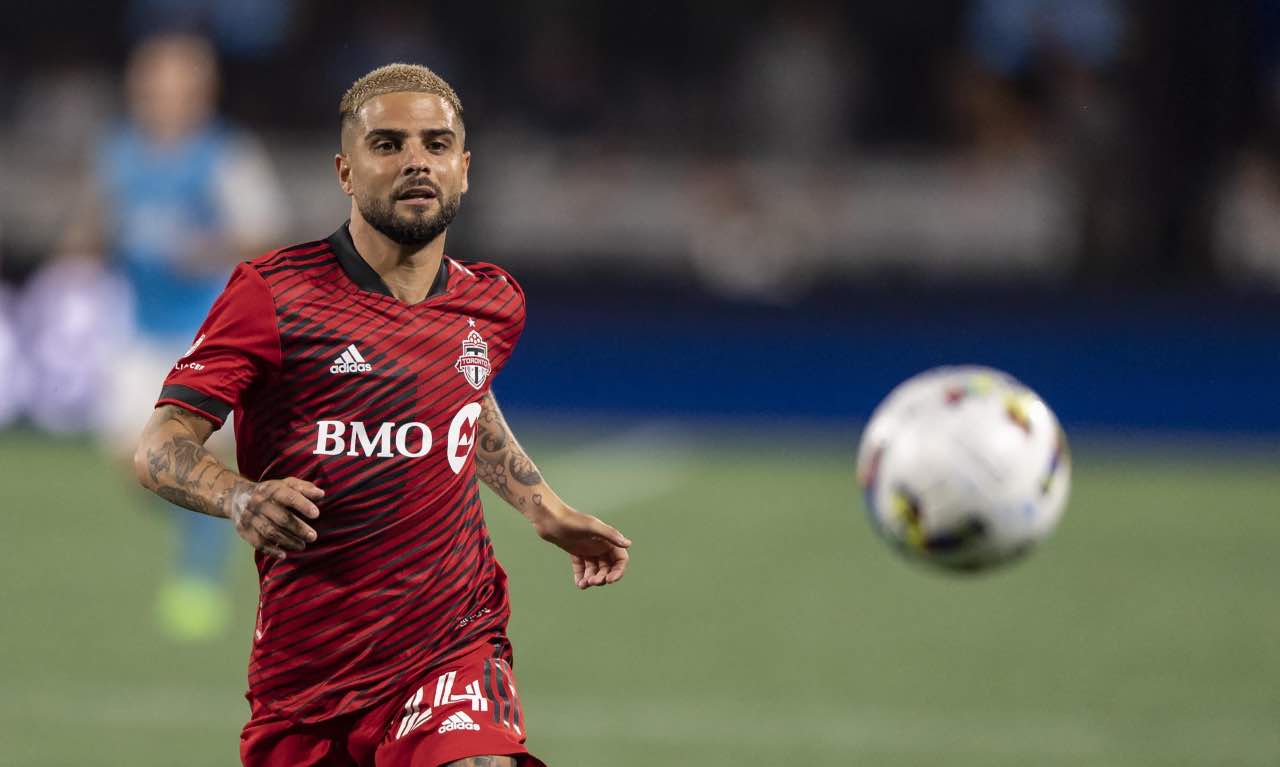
[{"x": 761, "y": 623}]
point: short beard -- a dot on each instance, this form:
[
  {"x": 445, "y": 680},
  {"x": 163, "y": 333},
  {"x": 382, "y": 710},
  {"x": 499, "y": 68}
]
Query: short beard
[{"x": 414, "y": 232}]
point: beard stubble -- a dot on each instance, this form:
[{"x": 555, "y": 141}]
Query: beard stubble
[{"x": 414, "y": 230}]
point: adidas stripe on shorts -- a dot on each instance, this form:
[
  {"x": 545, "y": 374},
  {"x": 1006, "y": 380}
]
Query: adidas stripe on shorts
[{"x": 465, "y": 707}]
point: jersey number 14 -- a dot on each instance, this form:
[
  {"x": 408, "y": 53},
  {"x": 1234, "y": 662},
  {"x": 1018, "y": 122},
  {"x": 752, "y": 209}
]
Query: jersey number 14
[{"x": 445, "y": 694}]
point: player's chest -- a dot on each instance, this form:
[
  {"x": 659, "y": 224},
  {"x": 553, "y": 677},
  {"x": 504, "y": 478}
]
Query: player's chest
[{"x": 422, "y": 364}]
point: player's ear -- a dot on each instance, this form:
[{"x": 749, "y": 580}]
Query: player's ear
[
  {"x": 466, "y": 169},
  {"x": 343, "y": 168}
]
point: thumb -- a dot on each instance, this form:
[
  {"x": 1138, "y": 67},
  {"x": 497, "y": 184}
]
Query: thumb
[{"x": 609, "y": 533}]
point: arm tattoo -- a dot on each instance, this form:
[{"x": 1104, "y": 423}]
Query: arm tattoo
[
  {"x": 182, "y": 471},
  {"x": 484, "y": 761},
  {"x": 523, "y": 469},
  {"x": 493, "y": 437},
  {"x": 494, "y": 474},
  {"x": 157, "y": 463},
  {"x": 500, "y": 459}
]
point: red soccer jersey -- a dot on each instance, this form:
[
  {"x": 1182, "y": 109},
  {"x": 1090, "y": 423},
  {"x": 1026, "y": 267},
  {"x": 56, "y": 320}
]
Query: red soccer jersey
[{"x": 334, "y": 380}]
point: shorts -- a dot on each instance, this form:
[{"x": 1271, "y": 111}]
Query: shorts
[{"x": 464, "y": 707}]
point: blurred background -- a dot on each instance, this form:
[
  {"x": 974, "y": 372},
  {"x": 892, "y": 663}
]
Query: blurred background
[{"x": 738, "y": 226}]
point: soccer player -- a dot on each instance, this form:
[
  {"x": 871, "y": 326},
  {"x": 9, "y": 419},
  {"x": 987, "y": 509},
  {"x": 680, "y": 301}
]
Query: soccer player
[
  {"x": 177, "y": 197},
  {"x": 359, "y": 370}
]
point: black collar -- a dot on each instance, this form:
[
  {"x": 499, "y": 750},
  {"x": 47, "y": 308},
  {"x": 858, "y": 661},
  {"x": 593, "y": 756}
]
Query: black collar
[{"x": 363, "y": 275}]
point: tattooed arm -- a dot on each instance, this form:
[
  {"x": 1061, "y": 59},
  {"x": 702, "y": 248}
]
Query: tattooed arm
[
  {"x": 597, "y": 551},
  {"x": 502, "y": 464},
  {"x": 172, "y": 461}
]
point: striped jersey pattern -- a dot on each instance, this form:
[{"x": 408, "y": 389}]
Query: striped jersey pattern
[{"x": 334, "y": 380}]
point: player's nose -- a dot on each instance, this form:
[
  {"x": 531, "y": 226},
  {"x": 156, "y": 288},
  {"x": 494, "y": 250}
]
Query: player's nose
[
  {"x": 416, "y": 167},
  {"x": 416, "y": 160}
]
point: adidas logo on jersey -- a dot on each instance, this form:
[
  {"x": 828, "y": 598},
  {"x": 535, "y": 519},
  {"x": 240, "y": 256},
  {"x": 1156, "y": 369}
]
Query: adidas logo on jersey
[
  {"x": 458, "y": 721},
  {"x": 350, "y": 362}
]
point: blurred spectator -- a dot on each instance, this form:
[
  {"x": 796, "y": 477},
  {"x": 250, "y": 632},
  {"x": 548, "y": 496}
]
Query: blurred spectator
[
  {"x": 797, "y": 84},
  {"x": 176, "y": 198},
  {"x": 1247, "y": 235},
  {"x": 1035, "y": 64},
  {"x": 237, "y": 27},
  {"x": 785, "y": 144},
  {"x": 1040, "y": 85},
  {"x": 766, "y": 214},
  {"x": 1188, "y": 82}
]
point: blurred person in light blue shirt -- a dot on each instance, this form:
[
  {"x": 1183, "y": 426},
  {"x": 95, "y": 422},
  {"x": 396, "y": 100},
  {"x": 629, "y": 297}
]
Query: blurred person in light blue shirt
[
  {"x": 178, "y": 197},
  {"x": 183, "y": 195}
]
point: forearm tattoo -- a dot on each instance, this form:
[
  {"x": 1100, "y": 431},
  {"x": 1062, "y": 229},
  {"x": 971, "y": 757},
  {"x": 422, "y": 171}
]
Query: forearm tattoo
[
  {"x": 181, "y": 470},
  {"x": 500, "y": 461}
]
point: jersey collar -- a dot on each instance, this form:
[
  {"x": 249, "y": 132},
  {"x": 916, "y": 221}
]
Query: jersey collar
[{"x": 363, "y": 275}]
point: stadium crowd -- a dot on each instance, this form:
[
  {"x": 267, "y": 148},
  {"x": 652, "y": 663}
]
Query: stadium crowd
[{"x": 755, "y": 150}]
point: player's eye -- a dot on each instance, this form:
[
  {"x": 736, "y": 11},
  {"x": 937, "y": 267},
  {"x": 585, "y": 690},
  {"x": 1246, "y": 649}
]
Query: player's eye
[
  {"x": 437, "y": 146},
  {"x": 384, "y": 146}
]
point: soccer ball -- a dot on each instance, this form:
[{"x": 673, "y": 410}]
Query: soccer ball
[{"x": 964, "y": 468}]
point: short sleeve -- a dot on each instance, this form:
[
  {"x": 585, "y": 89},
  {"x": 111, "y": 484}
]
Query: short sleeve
[
  {"x": 508, "y": 317},
  {"x": 238, "y": 344}
]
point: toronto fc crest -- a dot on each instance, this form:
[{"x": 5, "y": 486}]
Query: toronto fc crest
[{"x": 473, "y": 364}]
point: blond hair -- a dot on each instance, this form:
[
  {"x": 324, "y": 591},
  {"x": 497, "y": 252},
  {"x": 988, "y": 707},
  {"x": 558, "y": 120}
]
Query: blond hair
[{"x": 396, "y": 78}]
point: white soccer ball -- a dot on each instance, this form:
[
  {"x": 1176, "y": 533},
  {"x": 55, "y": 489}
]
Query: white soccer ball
[{"x": 964, "y": 468}]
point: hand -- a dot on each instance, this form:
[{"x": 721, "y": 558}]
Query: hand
[
  {"x": 266, "y": 514},
  {"x": 598, "y": 551}
]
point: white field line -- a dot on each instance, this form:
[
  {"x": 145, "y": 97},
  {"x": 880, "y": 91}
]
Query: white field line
[{"x": 807, "y": 724}]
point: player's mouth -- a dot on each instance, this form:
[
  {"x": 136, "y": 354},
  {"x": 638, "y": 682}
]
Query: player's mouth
[{"x": 417, "y": 195}]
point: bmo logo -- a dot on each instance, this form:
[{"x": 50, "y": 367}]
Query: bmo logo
[
  {"x": 410, "y": 439},
  {"x": 462, "y": 435}
]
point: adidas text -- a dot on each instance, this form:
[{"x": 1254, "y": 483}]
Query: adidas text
[
  {"x": 458, "y": 721},
  {"x": 350, "y": 361}
]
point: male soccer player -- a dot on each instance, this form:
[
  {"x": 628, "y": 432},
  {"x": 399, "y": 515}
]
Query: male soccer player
[
  {"x": 358, "y": 368},
  {"x": 177, "y": 197}
]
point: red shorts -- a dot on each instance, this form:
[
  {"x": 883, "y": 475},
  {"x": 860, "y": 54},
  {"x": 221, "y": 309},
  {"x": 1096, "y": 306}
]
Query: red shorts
[{"x": 465, "y": 707}]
